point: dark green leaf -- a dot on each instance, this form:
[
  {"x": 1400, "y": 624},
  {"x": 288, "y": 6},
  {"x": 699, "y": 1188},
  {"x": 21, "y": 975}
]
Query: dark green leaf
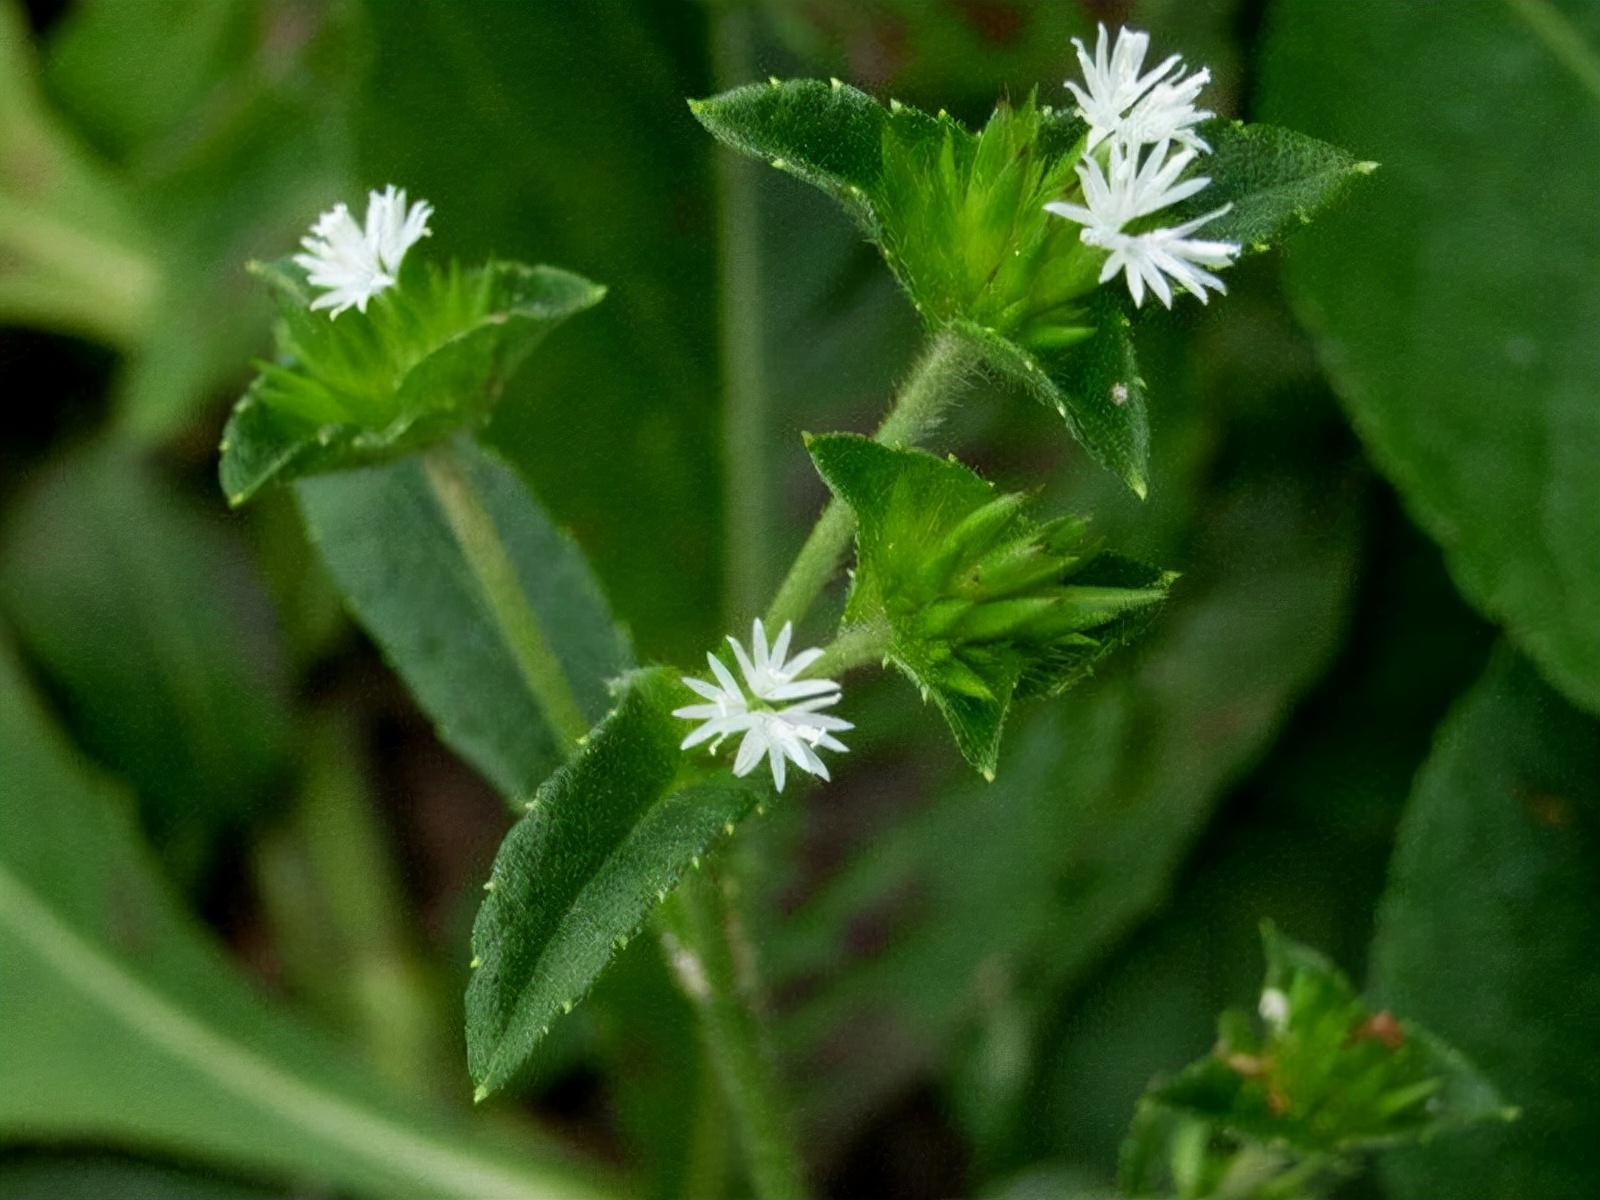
[
  {"x": 131, "y": 1027},
  {"x": 976, "y": 603},
  {"x": 605, "y": 839},
  {"x": 146, "y": 616},
  {"x": 1488, "y": 931},
  {"x": 1274, "y": 179},
  {"x": 1457, "y": 299},
  {"x": 387, "y": 536},
  {"x": 828, "y": 134},
  {"x": 430, "y": 357}
]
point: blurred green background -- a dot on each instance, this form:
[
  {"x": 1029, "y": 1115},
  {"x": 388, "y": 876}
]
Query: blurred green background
[{"x": 1368, "y": 713}]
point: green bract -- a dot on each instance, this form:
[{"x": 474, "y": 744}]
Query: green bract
[
  {"x": 428, "y": 357},
  {"x": 1323, "y": 1077},
  {"x": 974, "y": 600},
  {"x": 960, "y": 219}
]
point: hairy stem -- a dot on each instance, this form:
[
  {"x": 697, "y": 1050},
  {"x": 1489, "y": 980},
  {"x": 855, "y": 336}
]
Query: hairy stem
[
  {"x": 491, "y": 564},
  {"x": 855, "y": 647},
  {"x": 935, "y": 382},
  {"x": 715, "y": 967}
]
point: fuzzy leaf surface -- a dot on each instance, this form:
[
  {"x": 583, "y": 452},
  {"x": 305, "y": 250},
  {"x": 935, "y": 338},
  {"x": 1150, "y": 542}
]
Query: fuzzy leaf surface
[
  {"x": 1456, "y": 300},
  {"x": 605, "y": 839},
  {"x": 132, "y": 1028},
  {"x": 980, "y": 605},
  {"x": 390, "y": 545},
  {"x": 1487, "y": 932},
  {"x": 1275, "y": 180},
  {"x": 431, "y": 356}
]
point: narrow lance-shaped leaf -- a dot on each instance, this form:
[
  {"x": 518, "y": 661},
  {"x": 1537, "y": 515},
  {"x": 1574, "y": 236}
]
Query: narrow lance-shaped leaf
[
  {"x": 412, "y": 570},
  {"x": 124, "y": 1023},
  {"x": 605, "y": 839}
]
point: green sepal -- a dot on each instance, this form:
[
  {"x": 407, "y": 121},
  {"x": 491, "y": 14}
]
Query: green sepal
[
  {"x": 605, "y": 839},
  {"x": 1334, "y": 1076},
  {"x": 976, "y": 602},
  {"x": 429, "y": 357}
]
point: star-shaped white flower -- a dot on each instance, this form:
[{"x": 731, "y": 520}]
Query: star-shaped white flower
[
  {"x": 1135, "y": 108},
  {"x": 1134, "y": 186},
  {"x": 780, "y": 735},
  {"x": 351, "y": 264}
]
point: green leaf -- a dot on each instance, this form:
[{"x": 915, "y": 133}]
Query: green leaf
[
  {"x": 151, "y": 624},
  {"x": 605, "y": 839},
  {"x": 1332, "y": 1076},
  {"x": 124, "y": 1022},
  {"x": 1095, "y": 386},
  {"x": 429, "y": 357},
  {"x": 1456, "y": 301},
  {"x": 72, "y": 253},
  {"x": 977, "y": 603},
  {"x": 828, "y": 134},
  {"x": 1488, "y": 929},
  {"x": 1274, "y": 179},
  {"x": 417, "y": 581}
]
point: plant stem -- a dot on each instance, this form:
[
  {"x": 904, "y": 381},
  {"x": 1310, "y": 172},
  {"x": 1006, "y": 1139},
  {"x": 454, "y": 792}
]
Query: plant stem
[
  {"x": 486, "y": 555},
  {"x": 935, "y": 382},
  {"x": 746, "y": 501},
  {"x": 714, "y": 965},
  {"x": 855, "y": 647}
]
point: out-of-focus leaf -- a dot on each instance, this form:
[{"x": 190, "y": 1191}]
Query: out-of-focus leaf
[
  {"x": 609, "y": 176},
  {"x": 413, "y": 577},
  {"x": 149, "y": 620},
  {"x": 1024, "y": 884},
  {"x": 84, "y": 1178},
  {"x": 1487, "y": 933},
  {"x": 231, "y": 125},
  {"x": 430, "y": 357},
  {"x": 72, "y": 253},
  {"x": 129, "y": 1027},
  {"x": 605, "y": 839},
  {"x": 1326, "y": 1072},
  {"x": 1457, "y": 301}
]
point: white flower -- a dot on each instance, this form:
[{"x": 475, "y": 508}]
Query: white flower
[
  {"x": 781, "y": 735},
  {"x": 1134, "y": 187},
  {"x": 1133, "y": 108},
  {"x": 1274, "y": 1008},
  {"x": 351, "y": 264}
]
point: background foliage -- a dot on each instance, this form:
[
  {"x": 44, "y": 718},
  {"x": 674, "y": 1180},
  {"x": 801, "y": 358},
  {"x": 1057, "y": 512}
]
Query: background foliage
[{"x": 238, "y": 868}]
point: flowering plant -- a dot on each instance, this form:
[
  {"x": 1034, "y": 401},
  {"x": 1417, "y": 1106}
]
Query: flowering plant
[{"x": 712, "y": 716}]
